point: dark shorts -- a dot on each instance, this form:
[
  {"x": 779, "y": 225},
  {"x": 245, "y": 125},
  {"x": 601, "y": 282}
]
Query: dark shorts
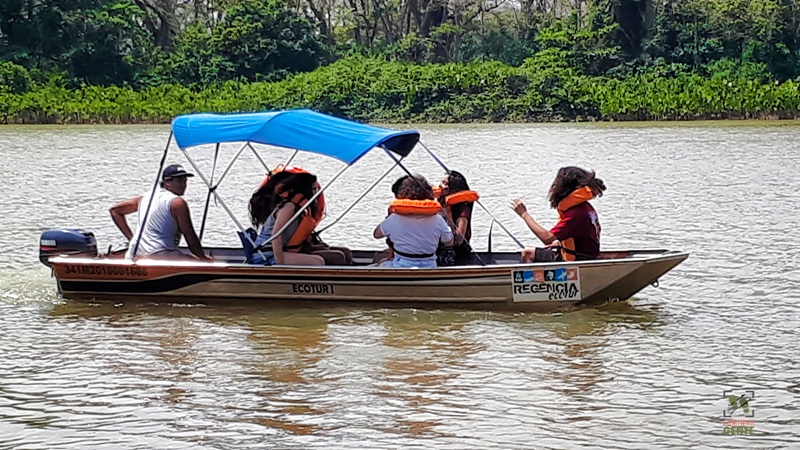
[{"x": 548, "y": 254}]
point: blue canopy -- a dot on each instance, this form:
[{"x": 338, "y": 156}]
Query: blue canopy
[{"x": 299, "y": 129}]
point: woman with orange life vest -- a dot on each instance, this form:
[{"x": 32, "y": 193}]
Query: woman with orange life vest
[
  {"x": 577, "y": 233},
  {"x": 457, "y": 200},
  {"x": 271, "y": 207},
  {"x": 302, "y": 238},
  {"x": 414, "y": 225}
]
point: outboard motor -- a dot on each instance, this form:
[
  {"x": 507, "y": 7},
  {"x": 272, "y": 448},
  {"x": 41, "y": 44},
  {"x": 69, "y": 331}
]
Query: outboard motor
[{"x": 66, "y": 241}]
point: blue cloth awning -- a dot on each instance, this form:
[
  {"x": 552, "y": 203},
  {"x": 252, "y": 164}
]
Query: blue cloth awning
[{"x": 300, "y": 129}]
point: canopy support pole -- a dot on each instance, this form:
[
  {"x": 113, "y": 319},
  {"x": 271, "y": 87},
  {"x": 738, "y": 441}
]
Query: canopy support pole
[
  {"x": 397, "y": 162},
  {"x": 140, "y": 229},
  {"x": 385, "y": 174},
  {"x": 500, "y": 224},
  {"x": 259, "y": 158},
  {"x": 214, "y": 190},
  {"x": 227, "y": 168},
  {"x": 208, "y": 196},
  {"x": 291, "y": 158}
]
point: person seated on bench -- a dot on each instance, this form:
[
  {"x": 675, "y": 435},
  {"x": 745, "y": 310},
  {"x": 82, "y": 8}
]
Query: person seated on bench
[
  {"x": 414, "y": 225},
  {"x": 457, "y": 200},
  {"x": 305, "y": 239},
  {"x": 576, "y": 236},
  {"x": 272, "y": 206},
  {"x": 168, "y": 219}
]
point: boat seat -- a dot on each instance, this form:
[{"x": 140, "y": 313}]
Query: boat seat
[{"x": 247, "y": 245}]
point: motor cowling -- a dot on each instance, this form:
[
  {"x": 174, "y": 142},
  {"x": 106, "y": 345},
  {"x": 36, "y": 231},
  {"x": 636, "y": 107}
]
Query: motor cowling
[{"x": 66, "y": 241}]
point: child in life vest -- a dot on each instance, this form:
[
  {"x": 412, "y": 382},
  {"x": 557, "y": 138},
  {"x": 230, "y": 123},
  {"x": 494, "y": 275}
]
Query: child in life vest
[{"x": 414, "y": 225}]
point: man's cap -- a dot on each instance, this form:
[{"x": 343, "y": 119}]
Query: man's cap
[{"x": 174, "y": 171}]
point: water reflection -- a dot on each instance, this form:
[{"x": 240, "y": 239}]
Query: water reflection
[
  {"x": 585, "y": 337},
  {"x": 310, "y": 371}
]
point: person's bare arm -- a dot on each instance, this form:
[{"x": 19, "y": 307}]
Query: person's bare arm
[
  {"x": 180, "y": 211},
  {"x": 448, "y": 231},
  {"x": 542, "y": 233},
  {"x": 122, "y": 209},
  {"x": 460, "y": 230},
  {"x": 461, "y": 226},
  {"x": 377, "y": 234},
  {"x": 284, "y": 214}
]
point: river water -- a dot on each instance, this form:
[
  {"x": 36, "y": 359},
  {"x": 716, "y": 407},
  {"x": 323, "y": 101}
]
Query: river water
[{"x": 651, "y": 373}]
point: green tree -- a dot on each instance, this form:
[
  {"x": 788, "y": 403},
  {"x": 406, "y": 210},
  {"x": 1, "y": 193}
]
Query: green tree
[
  {"x": 263, "y": 39},
  {"x": 257, "y": 40},
  {"x": 92, "y": 43},
  {"x": 586, "y": 42},
  {"x": 110, "y": 44}
]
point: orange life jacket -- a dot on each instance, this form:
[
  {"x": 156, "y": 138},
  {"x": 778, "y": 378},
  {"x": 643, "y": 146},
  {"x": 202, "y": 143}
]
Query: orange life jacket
[
  {"x": 456, "y": 198},
  {"x": 462, "y": 197},
  {"x": 308, "y": 221},
  {"x": 421, "y": 207},
  {"x": 575, "y": 198}
]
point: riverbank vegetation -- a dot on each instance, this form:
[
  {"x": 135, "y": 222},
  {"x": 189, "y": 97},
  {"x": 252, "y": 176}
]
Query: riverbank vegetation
[{"x": 145, "y": 61}]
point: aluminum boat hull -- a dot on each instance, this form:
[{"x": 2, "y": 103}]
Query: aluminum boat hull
[{"x": 500, "y": 285}]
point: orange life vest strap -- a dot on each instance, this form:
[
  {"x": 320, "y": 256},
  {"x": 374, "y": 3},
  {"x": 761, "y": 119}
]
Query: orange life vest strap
[
  {"x": 410, "y": 207},
  {"x": 302, "y": 235},
  {"x": 568, "y": 249}
]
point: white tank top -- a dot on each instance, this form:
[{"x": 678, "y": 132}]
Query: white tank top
[{"x": 160, "y": 233}]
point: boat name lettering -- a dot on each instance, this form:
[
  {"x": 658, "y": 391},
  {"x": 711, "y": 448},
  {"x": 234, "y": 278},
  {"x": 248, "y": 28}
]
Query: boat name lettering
[
  {"x": 107, "y": 270},
  {"x": 311, "y": 288},
  {"x": 560, "y": 291}
]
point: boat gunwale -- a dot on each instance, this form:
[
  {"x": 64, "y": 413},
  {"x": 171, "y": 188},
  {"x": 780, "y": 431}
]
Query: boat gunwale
[{"x": 166, "y": 264}]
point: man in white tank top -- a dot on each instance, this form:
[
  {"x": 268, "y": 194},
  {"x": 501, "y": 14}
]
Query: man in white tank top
[{"x": 167, "y": 219}]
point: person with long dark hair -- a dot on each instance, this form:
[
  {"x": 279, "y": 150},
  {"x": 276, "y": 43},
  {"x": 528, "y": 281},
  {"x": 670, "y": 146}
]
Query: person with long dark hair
[
  {"x": 301, "y": 237},
  {"x": 272, "y": 206},
  {"x": 576, "y": 236},
  {"x": 457, "y": 200}
]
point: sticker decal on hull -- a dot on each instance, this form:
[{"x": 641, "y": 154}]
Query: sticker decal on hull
[
  {"x": 106, "y": 271},
  {"x": 312, "y": 288},
  {"x": 543, "y": 285}
]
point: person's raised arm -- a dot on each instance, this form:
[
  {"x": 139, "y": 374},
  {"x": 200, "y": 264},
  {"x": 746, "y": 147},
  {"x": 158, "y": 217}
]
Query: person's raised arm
[
  {"x": 542, "y": 233},
  {"x": 180, "y": 211},
  {"x": 122, "y": 209}
]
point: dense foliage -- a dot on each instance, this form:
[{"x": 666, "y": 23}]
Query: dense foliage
[{"x": 399, "y": 60}]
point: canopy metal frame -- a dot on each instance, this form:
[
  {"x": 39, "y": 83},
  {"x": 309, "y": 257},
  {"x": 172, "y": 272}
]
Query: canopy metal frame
[{"x": 213, "y": 185}]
